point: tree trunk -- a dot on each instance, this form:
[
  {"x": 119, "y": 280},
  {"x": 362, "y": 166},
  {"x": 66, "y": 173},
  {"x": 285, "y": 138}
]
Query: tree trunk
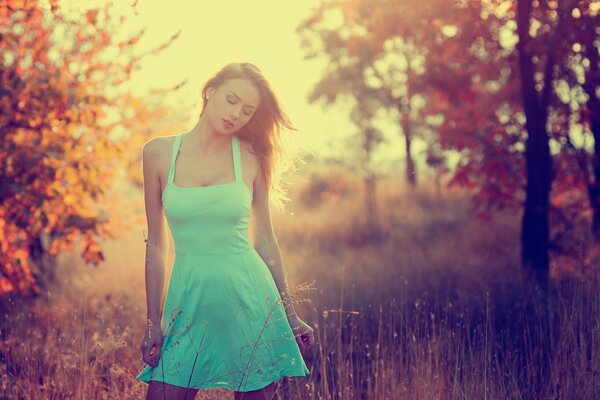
[
  {"x": 594, "y": 190},
  {"x": 535, "y": 225},
  {"x": 370, "y": 138},
  {"x": 372, "y": 214},
  {"x": 411, "y": 174}
]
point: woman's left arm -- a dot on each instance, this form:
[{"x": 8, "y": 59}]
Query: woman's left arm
[{"x": 266, "y": 244}]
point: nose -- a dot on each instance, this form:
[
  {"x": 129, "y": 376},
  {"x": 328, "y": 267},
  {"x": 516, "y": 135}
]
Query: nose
[{"x": 235, "y": 113}]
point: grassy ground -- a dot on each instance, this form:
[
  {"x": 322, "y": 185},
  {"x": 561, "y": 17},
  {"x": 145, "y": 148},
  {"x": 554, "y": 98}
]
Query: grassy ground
[{"x": 433, "y": 310}]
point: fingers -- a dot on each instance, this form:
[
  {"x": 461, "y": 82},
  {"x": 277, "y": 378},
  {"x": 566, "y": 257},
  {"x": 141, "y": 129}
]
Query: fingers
[
  {"x": 154, "y": 357},
  {"x": 304, "y": 335},
  {"x": 311, "y": 338},
  {"x": 151, "y": 354},
  {"x": 306, "y": 340},
  {"x": 151, "y": 359}
]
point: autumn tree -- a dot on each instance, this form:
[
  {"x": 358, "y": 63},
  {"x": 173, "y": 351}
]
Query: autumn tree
[
  {"x": 540, "y": 55},
  {"x": 62, "y": 106},
  {"x": 372, "y": 57},
  {"x": 475, "y": 70},
  {"x": 348, "y": 59},
  {"x": 574, "y": 123},
  {"x": 473, "y": 77}
]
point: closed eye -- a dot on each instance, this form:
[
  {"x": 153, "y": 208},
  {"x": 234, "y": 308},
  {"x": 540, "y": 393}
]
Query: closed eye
[{"x": 248, "y": 113}]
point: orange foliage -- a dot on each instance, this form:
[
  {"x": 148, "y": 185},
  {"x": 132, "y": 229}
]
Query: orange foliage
[{"x": 57, "y": 156}]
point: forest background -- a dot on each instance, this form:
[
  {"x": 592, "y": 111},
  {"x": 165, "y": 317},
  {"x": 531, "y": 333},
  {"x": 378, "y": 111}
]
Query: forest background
[{"x": 447, "y": 209}]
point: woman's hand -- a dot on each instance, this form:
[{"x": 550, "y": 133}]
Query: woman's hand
[
  {"x": 152, "y": 344},
  {"x": 304, "y": 334}
]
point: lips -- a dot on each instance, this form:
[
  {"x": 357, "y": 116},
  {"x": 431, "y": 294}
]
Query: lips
[{"x": 228, "y": 124}]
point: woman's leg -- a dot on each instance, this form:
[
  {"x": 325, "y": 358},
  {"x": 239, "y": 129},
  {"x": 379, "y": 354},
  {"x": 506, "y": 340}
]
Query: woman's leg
[
  {"x": 164, "y": 391},
  {"x": 265, "y": 393}
]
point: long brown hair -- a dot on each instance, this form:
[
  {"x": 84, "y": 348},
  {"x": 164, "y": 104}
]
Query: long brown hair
[{"x": 263, "y": 130}]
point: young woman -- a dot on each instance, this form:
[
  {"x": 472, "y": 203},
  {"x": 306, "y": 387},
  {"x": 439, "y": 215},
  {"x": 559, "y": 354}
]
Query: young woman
[{"x": 228, "y": 320}]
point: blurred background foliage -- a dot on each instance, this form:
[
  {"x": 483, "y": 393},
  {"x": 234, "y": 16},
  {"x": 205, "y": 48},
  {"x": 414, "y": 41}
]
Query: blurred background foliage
[{"x": 424, "y": 270}]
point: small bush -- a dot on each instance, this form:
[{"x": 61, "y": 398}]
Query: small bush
[{"x": 322, "y": 188}]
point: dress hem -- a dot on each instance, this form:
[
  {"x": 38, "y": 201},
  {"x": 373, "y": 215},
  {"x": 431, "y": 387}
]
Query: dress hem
[{"x": 226, "y": 385}]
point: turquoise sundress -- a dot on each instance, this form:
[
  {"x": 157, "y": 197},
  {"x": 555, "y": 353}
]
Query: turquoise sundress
[{"x": 223, "y": 321}]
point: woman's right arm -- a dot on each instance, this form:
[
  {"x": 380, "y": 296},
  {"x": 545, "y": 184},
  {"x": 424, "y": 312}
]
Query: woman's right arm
[{"x": 156, "y": 243}]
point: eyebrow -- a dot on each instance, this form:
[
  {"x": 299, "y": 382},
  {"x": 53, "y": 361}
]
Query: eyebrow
[{"x": 236, "y": 95}]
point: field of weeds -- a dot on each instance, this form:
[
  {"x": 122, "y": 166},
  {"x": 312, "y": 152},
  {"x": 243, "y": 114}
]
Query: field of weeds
[{"x": 432, "y": 308}]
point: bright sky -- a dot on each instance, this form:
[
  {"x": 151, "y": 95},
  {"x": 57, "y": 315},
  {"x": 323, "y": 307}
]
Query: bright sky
[
  {"x": 261, "y": 32},
  {"x": 218, "y": 32}
]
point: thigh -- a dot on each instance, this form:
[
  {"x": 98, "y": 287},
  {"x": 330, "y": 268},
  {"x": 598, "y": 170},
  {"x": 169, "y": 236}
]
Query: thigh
[
  {"x": 265, "y": 393},
  {"x": 164, "y": 391}
]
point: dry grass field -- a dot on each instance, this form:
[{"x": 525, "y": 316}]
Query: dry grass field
[{"x": 433, "y": 309}]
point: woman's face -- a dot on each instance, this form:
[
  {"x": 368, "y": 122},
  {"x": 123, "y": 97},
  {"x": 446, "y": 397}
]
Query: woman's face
[{"x": 232, "y": 105}]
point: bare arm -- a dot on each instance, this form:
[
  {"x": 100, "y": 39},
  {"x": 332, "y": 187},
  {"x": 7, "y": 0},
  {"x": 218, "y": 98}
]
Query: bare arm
[
  {"x": 156, "y": 244},
  {"x": 266, "y": 244}
]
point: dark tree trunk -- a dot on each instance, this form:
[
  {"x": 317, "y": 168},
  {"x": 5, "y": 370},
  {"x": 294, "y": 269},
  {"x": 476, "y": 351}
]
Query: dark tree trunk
[
  {"x": 404, "y": 111},
  {"x": 411, "y": 174},
  {"x": 535, "y": 225},
  {"x": 594, "y": 190},
  {"x": 535, "y": 232}
]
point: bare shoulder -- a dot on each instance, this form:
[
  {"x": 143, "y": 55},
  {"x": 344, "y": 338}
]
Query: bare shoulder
[
  {"x": 158, "y": 148},
  {"x": 156, "y": 154},
  {"x": 158, "y": 145}
]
